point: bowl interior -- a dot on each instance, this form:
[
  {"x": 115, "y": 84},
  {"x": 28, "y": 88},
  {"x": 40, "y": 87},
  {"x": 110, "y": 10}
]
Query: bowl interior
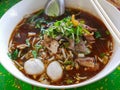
[{"x": 13, "y": 16}]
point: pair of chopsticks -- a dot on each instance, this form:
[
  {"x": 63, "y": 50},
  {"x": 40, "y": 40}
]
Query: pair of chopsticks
[{"x": 107, "y": 21}]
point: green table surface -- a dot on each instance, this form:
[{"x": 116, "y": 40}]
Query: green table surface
[{"x": 9, "y": 82}]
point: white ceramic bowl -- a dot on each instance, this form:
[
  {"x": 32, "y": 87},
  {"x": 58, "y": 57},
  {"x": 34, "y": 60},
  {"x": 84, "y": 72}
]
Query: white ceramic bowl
[{"x": 14, "y": 15}]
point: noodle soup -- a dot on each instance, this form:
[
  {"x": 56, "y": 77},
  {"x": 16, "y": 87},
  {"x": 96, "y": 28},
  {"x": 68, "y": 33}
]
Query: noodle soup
[{"x": 64, "y": 50}]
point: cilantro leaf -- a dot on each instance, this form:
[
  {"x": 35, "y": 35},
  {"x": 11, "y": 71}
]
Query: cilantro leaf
[
  {"x": 98, "y": 35},
  {"x": 14, "y": 54}
]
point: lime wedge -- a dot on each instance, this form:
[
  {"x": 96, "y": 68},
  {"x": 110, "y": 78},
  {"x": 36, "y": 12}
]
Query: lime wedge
[{"x": 52, "y": 8}]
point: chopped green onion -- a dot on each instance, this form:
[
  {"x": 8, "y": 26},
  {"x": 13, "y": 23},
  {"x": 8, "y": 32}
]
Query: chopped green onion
[
  {"x": 86, "y": 31},
  {"x": 107, "y": 32},
  {"x": 14, "y": 54},
  {"x": 102, "y": 55},
  {"x": 37, "y": 47},
  {"x": 67, "y": 62},
  {"x": 69, "y": 81},
  {"x": 82, "y": 21},
  {"x": 66, "y": 44},
  {"x": 28, "y": 42},
  {"x": 34, "y": 53},
  {"x": 98, "y": 35},
  {"x": 38, "y": 25},
  {"x": 73, "y": 37},
  {"x": 9, "y": 55},
  {"x": 66, "y": 28},
  {"x": 77, "y": 33},
  {"x": 33, "y": 18},
  {"x": 77, "y": 40}
]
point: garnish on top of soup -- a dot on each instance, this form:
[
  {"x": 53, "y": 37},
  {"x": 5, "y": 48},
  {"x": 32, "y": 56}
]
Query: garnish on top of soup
[{"x": 60, "y": 50}]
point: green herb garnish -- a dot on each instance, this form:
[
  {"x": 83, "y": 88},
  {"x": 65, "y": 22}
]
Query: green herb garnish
[
  {"x": 39, "y": 23},
  {"x": 66, "y": 44},
  {"x": 102, "y": 55},
  {"x": 107, "y": 32},
  {"x": 34, "y": 17},
  {"x": 67, "y": 62},
  {"x": 82, "y": 21},
  {"x": 66, "y": 28},
  {"x": 69, "y": 81},
  {"x": 37, "y": 47},
  {"x": 28, "y": 42},
  {"x": 34, "y": 53},
  {"x": 14, "y": 54},
  {"x": 98, "y": 35}
]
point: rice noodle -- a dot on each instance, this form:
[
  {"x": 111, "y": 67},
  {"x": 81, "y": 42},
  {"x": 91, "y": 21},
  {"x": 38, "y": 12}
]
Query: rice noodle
[
  {"x": 10, "y": 45},
  {"x": 30, "y": 34},
  {"x": 111, "y": 46},
  {"x": 102, "y": 38},
  {"x": 38, "y": 42},
  {"x": 83, "y": 77},
  {"x": 22, "y": 46},
  {"x": 43, "y": 55},
  {"x": 89, "y": 46},
  {"x": 81, "y": 55},
  {"x": 52, "y": 58},
  {"x": 40, "y": 58},
  {"x": 100, "y": 59},
  {"x": 25, "y": 54},
  {"x": 71, "y": 54},
  {"x": 77, "y": 65},
  {"x": 60, "y": 61},
  {"x": 63, "y": 52},
  {"x": 19, "y": 54},
  {"x": 96, "y": 58},
  {"x": 20, "y": 67},
  {"x": 33, "y": 41}
]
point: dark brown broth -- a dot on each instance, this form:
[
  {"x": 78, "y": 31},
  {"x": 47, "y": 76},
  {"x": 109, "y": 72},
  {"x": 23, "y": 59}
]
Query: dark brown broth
[{"x": 98, "y": 47}]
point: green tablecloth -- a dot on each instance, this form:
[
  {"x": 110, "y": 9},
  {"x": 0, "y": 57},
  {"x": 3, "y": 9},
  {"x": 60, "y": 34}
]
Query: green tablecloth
[{"x": 8, "y": 82}]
